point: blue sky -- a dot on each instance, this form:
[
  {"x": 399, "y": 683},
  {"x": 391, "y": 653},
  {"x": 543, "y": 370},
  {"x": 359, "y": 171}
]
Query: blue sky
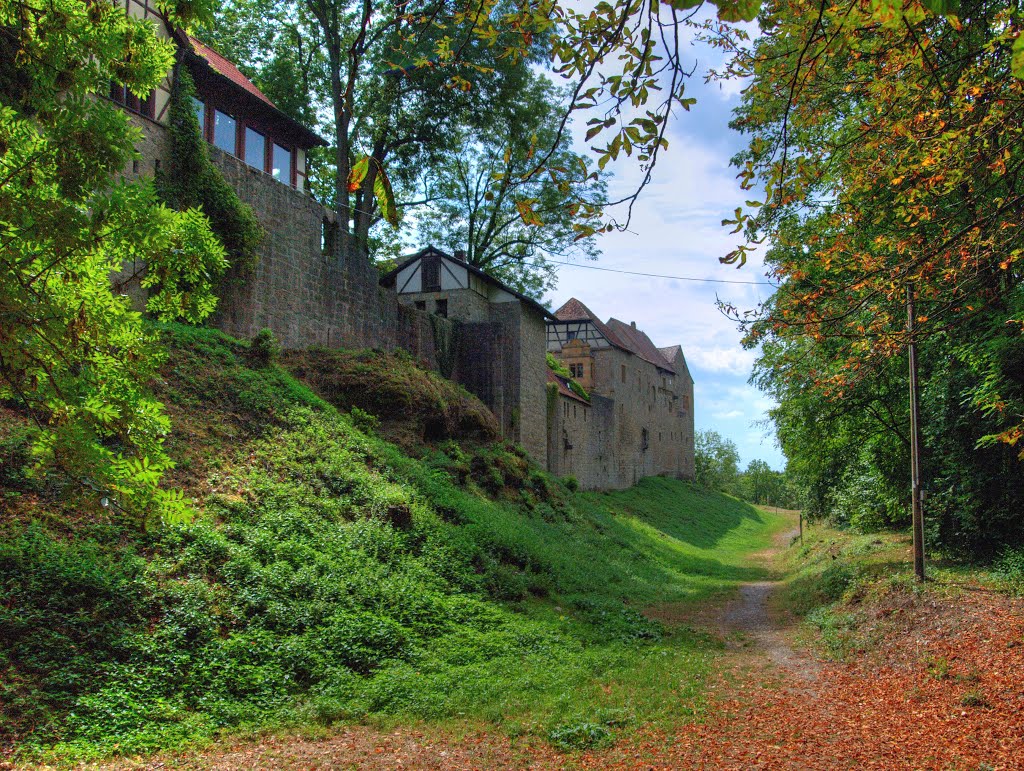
[{"x": 676, "y": 230}]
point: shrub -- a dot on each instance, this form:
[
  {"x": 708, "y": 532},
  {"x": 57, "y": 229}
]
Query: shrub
[
  {"x": 581, "y": 736},
  {"x": 1010, "y": 567},
  {"x": 264, "y": 348},
  {"x": 571, "y": 483}
]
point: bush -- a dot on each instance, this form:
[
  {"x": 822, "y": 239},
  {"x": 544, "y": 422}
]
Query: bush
[
  {"x": 264, "y": 348},
  {"x": 1010, "y": 567},
  {"x": 581, "y": 736}
]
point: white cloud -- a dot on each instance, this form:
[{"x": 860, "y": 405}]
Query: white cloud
[{"x": 734, "y": 360}]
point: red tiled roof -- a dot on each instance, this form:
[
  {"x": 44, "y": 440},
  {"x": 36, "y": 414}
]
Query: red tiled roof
[
  {"x": 574, "y": 310},
  {"x": 563, "y": 387},
  {"x": 640, "y": 344},
  {"x": 227, "y": 69}
]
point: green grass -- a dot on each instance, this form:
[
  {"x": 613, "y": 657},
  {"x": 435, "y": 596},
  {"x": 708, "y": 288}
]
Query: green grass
[
  {"x": 329, "y": 576},
  {"x": 839, "y": 575}
]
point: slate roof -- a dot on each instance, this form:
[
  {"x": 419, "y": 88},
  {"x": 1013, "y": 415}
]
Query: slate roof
[
  {"x": 389, "y": 278},
  {"x": 563, "y": 388},
  {"x": 640, "y": 344},
  {"x": 670, "y": 354},
  {"x": 574, "y": 310}
]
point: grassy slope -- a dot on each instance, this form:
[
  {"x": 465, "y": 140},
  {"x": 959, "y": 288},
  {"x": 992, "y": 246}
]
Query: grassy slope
[
  {"x": 850, "y": 587},
  {"x": 331, "y": 576}
]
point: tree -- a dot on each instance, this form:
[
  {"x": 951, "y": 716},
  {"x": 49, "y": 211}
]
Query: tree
[
  {"x": 716, "y": 462},
  {"x": 477, "y": 195},
  {"x": 889, "y": 150},
  {"x": 73, "y": 353}
]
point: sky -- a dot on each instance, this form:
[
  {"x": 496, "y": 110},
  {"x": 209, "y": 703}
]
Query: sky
[{"x": 676, "y": 230}]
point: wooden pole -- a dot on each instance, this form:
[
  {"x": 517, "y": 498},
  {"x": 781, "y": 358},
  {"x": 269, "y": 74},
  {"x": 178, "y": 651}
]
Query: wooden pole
[
  {"x": 917, "y": 512},
  {"x": 801, "y": 527}
]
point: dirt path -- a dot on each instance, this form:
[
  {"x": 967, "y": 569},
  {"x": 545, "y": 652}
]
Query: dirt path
[{"x": 750, "y": 622}]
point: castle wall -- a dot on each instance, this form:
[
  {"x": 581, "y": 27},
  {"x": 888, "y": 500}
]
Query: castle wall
[
  {"x": 649, "y": 425},
  {"x": 577, "y": 445}
]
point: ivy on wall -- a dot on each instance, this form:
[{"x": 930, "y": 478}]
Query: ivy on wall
[
  {"x": 562, "y": 371},
  {"x": 192, "y": 181}
]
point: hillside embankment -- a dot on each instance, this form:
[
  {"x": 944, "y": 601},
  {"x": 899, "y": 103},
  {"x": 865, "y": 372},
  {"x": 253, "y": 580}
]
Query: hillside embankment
[{"x": 364, "y": 555}]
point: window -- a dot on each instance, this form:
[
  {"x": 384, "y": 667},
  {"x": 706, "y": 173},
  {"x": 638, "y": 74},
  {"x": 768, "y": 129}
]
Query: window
[
  {"x": 282, "y": 164},
  {"x": 421, "y": 305},
  {"x": 442, "y": 308},
  {"x": 431, "y": 274},
  {"x": 576, "y": 370},
  {"x": 119, "y": 93},
  {"x": 224, "y": 132},
  {"x": 255, "y": 149},
  {"x": 570, "y": 335},
  {"x": 623, "y": 373},
  {"x": 644, "y": 440}
]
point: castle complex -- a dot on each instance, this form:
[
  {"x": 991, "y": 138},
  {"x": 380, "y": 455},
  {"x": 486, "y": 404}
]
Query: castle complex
[{"x": 633, "y": 416}]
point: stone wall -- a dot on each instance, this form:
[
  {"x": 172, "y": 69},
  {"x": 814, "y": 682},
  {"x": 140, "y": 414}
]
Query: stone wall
[
  {"x": 578, "y": 441},
  {"x": 643, "y": 426},
  {"x": 532, "y": 376}
]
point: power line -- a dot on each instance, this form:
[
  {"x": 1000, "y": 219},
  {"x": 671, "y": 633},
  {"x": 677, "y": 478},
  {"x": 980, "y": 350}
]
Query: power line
[{"x": 659, "y": 275}]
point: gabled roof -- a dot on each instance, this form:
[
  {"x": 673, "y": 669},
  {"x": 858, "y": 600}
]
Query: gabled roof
[
  {"x": 388, "y": 278},
  {"x": 670, "y": 354},
  {"x": 574, "y": 310},
  {"x": 563, "y": 388},
  {"x": 221, "y": 69},
  {"x": 640, "y": 344}
]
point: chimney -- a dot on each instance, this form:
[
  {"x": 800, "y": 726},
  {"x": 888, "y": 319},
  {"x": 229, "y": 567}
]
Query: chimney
[
  {"x": 633, "y": 324},
  {"x": 460, "y": 254}
]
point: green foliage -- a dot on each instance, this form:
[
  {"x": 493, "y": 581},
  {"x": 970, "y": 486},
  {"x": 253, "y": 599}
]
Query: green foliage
[
  {"x": 1010, "y": 568},
  {"x": 858, "y": 211},
  {"x": 191, "y": 181},
  {"x": 562, "y": 371},
  {"x": 74, "y": 354},
  {"x": 333, "y": 577},
  {"x": 581, "y": 736},
  {"x": 264, "y": 348},
  {"x": 490, "y": 200},
  {"x": 716, "y": 462}
]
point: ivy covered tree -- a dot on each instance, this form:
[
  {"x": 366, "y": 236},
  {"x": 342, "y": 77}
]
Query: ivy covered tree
[{"x": 73, "y": 354}]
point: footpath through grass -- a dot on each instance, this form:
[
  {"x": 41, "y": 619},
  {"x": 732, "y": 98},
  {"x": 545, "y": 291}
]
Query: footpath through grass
[{"x": 330, "y": 576}]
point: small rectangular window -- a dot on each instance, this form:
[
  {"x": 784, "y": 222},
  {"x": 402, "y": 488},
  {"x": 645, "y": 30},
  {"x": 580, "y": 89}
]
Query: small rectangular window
[
  {"x": 623, "y": 373},
  {"x": 224, "y": 132},
  {"x": 421, "y": 305},
  {"x": 442, "y": 308},
  {"x": 431, "y": 267},
  {"x": 282, "y": 164},
  {"x": 255, "y": 149}
]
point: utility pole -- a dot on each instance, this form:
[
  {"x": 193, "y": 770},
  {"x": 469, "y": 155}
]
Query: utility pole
[{"x": 917, "y": 513}]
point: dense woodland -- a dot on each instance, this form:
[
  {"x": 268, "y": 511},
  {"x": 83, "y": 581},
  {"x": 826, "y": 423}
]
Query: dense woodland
[{"x": 195, "y": 539}]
